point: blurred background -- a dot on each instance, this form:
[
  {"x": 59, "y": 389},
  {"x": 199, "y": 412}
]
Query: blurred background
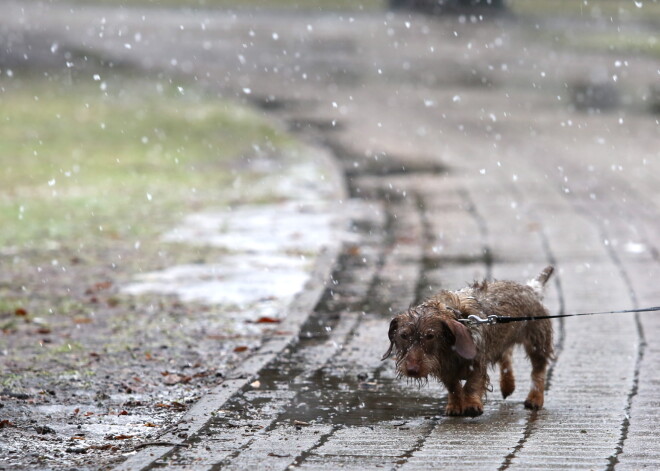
[
  {"x": 77, "y": 76},
  {"x": 107, "y": 82}
]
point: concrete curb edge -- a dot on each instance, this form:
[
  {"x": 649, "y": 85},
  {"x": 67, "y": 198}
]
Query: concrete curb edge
[{"x": 298, "y": 312}]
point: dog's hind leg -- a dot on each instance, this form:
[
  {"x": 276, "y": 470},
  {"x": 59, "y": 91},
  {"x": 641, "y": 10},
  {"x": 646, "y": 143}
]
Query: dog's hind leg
[
  {"x": 507, "y": 380},
  {"x": 540, "y": 362},
  {"x": 534, "y": 399},
  {"x": 539, "y": 349}
]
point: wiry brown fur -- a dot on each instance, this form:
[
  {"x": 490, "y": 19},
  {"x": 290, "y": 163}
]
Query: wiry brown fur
[{"x": 428, "y": 340}]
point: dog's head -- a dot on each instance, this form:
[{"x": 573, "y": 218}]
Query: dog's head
[{"x": 424, "y": 336}]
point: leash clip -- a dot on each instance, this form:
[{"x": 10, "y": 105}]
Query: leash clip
[{"x": 473, "y": 319}]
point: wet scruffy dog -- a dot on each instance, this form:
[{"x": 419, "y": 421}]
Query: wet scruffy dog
[{"x": 428, "y": 340}]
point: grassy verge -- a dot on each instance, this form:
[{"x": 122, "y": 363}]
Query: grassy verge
[
  {"x": 629, "y": 40},
  {"x": 648, "y": 10},
  {"x": 621, "y": 43},
  {"x": 114, "y": 159},
  {"x": 351, "y": 5}
]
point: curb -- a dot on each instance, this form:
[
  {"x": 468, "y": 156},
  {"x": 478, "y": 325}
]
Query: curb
[{"x": 297, "y": 313}]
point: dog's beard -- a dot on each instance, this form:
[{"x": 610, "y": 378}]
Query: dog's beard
[
  {"x": 431, "y": 365},
  {"x": 419, "y": 382}
]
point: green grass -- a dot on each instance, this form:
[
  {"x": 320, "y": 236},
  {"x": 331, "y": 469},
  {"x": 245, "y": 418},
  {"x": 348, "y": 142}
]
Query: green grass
[
  {"x": 354, "y": 5},
  {"x": 615, "y": 9},
  {"x": 81, "y": 163},
  {"x": 627, "y": 41},
  {"x": 633, "y": 43}
]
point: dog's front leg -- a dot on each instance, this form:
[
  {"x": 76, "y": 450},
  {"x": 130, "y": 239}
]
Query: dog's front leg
[
  {"x": 455, "y": 398},
  {"x": 474, "y": 390}
]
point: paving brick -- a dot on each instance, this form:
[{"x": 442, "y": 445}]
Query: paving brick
[{"x": 279, "y": 447}]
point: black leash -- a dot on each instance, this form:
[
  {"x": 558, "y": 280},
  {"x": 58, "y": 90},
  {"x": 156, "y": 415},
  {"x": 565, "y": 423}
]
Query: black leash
[{"x": 493, "y": 319}]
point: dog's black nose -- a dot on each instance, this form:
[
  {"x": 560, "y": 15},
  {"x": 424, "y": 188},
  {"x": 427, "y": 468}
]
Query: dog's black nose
[{"x": 412, "y": 369}]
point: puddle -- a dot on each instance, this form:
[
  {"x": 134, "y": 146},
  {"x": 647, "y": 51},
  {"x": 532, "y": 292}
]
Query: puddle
[
  {"x": 281, "y": 228},
  {"x": 348, "y": 402},
  {"x": 272, "y": 250},
  {"x": 236, "y": 279}
]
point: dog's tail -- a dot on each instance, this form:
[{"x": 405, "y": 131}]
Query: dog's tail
[{"x": 538, "y": 283}]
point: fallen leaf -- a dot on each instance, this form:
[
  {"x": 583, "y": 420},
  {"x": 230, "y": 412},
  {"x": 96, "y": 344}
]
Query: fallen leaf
[
  {"x": 268, "y": 320},
  {"x": 120, "y": 437},
  {"x": 241, "y": 348},
  {"x": 20, "y": 312},
  {"x": 87, "y": 414},
  {"x": 96, "y": 287},
  {"x": 406, "y": 240},
  {"x": 77, "y": 438},
  {"x": 161, "y": 405},
  {"x": 6, "y": 423},
  {"x": 176, "y": 379},
  {"x": 223, "y": 336},
  {"x": 82, "y": 320},
  {"x": 44, "y": 330},
  {"x": 150, "y": 424}
]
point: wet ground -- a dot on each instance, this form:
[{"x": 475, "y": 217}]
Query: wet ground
[{"x": 469, "y": 148}]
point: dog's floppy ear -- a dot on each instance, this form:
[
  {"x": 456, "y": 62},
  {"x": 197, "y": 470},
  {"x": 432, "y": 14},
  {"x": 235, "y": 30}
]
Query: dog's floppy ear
[
  {"x": 464, "y": 344},
  {"x": 393, "y": 326}
]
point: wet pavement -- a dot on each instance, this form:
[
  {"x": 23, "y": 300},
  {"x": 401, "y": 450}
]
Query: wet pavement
[{"x": 463, "y": 158}]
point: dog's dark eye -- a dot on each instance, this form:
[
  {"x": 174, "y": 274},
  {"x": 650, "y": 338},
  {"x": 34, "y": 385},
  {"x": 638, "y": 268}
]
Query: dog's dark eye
[
  {"x": 404, "y": 336},
  {"x": 429, "y": 336}
]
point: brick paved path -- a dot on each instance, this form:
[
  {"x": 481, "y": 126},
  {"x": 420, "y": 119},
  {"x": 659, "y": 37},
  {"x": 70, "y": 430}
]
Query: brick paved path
[{"x": 463, "y": 159}]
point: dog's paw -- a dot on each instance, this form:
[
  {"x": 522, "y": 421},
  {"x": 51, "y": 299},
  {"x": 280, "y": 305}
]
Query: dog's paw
[
  {"x": 453, "y": 410},
  {"x": 473, "y": 406},
  {"x": 473, "y": 411},
  {"x": 534, "y": 400},
  {"x": 531, "y": 405}
]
